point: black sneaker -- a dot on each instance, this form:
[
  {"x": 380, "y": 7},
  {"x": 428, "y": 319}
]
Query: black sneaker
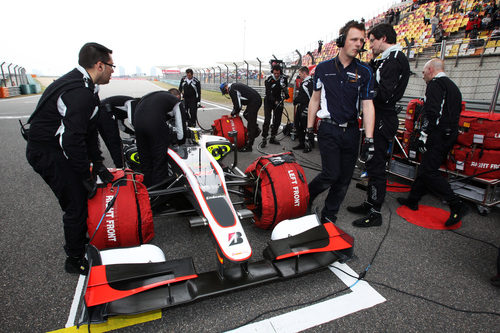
[
  {"x": 307, "y": 150},
  {"x": 76, "y": 265},
  {"x": 245, "y": 149},
  {"x": 263, "y": 144},
  {"x": 274, "y": 141},
  {"x": 456, "y": 215},
  {"x": 300, "y": 146},
  {"x": 413, "y": 205},
  {"x": 372, "y": 220},
  {"x": 364, "y": 208}
]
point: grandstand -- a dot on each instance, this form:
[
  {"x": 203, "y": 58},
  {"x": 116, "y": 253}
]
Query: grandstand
[
  {"x": 471, "y": 62},
  {"x": 411, "y": 25}
]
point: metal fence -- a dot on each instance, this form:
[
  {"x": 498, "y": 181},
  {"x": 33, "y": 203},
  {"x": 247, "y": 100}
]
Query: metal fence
[{"x": 474, "y": 65}]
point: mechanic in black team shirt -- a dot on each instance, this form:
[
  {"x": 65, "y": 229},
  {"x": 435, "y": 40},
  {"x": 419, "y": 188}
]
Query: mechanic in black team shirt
[
  {"x": 190, "y": 89},
  {"x": 275, "y": 84},
  {"x": 391, "y": 71},
  {"x": 340, "y": 85},
  {"x": 154, "y": 135},
  {"x": 301, "y": 102},
  {"x": 63, "y": 142},
  {"x": 438, "y": 133},
  {"x": 241, "y": 94},
  {"x": 115, "y": 115}
]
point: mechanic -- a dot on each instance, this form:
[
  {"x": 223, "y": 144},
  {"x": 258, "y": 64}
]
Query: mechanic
[
  {"x": 438, "y": 133},
  {"x": 154, "y": 135},
  {"x": 184, "y": 114},
  {"x": 115, "y": 114},
  {"x": 190, "y": 89},
  {"x": 301, "y": 102},
  {"x": 391, "y": 71},
  {"x": 241, "y": 94},
  {"x": 63, "y": 142},
  {"x": 275, "y": 84},
  {"x": 340, "y": 85}
]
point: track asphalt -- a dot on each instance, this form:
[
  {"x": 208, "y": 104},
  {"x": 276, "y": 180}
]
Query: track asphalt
[{"x": 439, "y": 266}]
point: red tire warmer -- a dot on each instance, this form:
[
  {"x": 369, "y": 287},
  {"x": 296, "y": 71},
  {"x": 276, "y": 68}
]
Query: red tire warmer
[
  {"x": 474, "y": 161},
  {"x": 479, "y": 128},
  {"x": 222, "y": 126},
  {"x": 129, "y": 222},
  {"x": 280, "y": 192}
]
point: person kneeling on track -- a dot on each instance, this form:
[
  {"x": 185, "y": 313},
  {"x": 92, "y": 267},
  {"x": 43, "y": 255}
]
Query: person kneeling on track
[
  {"x": 154, "y": 135},
  {"x": 115, "y": 115},
  {"x": 242, "y": 94}
]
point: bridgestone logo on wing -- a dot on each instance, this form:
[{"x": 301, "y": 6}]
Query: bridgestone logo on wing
[
  {"x": 110, "y": 221},
  {"x": 296, "y": 192}
]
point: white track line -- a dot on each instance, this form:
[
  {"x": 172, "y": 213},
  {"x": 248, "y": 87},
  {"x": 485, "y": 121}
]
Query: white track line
[{"x": 362, "y": 296}]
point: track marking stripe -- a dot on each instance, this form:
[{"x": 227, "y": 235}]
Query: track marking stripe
[
  {"x": 363, "y": 296},
  {"x": 114, "y": 323}
]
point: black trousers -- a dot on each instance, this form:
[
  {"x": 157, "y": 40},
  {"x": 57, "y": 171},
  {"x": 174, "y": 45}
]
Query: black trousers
[
  {"x": 250, "y": 115},
  {"x": 192, "y": 111},
  {"x": 153, "y": 140},
  {"x": 300, "y": 122},
  {"x": 338, "y": 147},
  {"x": 67, "y": 186},
  {"x": 271, "y": 111},
  {"x": 386, "y": 126},
  {"x": 429, "y": 178}
]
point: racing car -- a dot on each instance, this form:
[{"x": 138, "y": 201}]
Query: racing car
[{"x": 139, "y": 279}]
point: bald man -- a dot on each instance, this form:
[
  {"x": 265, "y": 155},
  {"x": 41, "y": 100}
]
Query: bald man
[{"x": 438, "y": 133}]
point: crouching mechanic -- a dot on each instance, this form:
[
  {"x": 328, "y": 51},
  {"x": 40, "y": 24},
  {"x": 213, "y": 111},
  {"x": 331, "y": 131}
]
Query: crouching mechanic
[
  {"x": 301, "y": 102},
  {"x": 242, "y": 94},
  {"x": 115, "y": 115},
  {"x": 392, "y": 72},
  {"x": 154, "y": 135},
  {"x": 438, "y": 133},
  {"x": 63, "y": 142}
]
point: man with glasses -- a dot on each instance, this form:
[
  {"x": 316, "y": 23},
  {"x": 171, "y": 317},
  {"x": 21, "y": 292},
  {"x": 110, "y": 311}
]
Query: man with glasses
[{"x": 63, "y": 143}]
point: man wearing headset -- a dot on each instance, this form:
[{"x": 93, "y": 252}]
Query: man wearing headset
[
  {"x": 340, "y": 85},
  {"x": 392, "y": 72},
  {"x": 275, "y": 84},
  {"x": 241, "y": 94},
  {"x": 191, "y": 91}
]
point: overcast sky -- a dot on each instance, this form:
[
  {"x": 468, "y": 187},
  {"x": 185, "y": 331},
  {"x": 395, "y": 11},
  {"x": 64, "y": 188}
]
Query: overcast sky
[{"x": 45, "y": 36}]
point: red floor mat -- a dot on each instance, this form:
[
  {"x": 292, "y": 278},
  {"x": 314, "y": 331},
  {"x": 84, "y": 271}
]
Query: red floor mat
[
  {"x": 397, "y": 187},
  {"x": 427, "y": 217}
]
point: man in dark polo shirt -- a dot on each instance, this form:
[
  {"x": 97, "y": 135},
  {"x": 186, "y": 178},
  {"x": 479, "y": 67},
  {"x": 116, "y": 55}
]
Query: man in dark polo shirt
[{"x": 341, "y": 85}]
